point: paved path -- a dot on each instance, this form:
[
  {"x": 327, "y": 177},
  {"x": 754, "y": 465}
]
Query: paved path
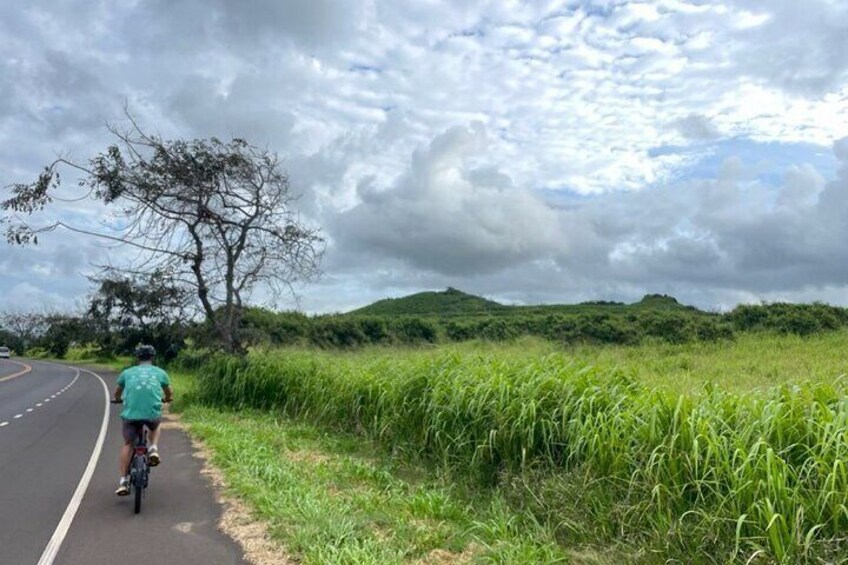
[{"x": 50, "y": 425}]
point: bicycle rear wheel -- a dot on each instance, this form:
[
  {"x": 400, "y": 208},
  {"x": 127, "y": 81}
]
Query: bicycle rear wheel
[
  {"x": 139, "y": 481},
  {"x": 137, "y": 490}
]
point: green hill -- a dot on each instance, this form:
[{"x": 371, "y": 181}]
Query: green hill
[
  {"x": 450, "y": 302},
  {"x": 661, "y": 302}
]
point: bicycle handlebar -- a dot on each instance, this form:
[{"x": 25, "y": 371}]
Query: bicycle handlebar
[{"x": 113, "y": 401}]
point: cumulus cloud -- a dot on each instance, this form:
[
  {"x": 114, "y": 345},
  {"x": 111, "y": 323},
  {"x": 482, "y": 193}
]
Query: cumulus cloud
[
  {"x": 446, "y": 215},
  {"x": 725, "y": 235}
]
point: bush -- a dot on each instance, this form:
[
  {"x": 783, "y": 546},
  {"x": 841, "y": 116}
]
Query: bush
[
  {"x": 412, "y": 331},
  {"x": 337, "y": 332}
]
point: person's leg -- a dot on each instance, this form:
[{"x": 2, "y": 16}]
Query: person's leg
[
  {"x": 153, "y": 442},
  {"x": 126, "y": 455},
  {"x": 128, "y": 430},
  {"x": 155, "y": 433}
]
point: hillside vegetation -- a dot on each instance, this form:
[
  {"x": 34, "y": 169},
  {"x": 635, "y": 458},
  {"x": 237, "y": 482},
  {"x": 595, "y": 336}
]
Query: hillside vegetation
[
  {"x": 453, "y": 316},
  {"x": 452, "y": 302}
]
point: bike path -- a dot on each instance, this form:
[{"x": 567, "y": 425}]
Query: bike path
[
  {"x": 179, "y": 514},
  {"x": 52, "y": 422}
]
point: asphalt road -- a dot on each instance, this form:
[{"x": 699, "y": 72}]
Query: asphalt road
[{"x": 51, "y": 422}]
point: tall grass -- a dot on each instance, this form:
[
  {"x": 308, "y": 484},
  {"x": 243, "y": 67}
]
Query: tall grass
[{"x": 726, "y": 475}]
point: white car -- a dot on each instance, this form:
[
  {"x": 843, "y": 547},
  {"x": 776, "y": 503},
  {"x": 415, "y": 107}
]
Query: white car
[{"x": 5, "y": 353}]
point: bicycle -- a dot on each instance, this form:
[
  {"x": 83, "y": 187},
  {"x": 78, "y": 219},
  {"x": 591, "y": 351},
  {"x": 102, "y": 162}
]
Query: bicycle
[{"x": 139, "y": 466}]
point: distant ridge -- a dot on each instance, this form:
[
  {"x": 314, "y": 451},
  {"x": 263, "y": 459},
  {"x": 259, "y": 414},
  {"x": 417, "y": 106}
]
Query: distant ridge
[{"x": 453, "y": 302}]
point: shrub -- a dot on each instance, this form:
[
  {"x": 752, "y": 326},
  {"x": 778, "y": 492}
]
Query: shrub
[{"x": 415, "y": 331}]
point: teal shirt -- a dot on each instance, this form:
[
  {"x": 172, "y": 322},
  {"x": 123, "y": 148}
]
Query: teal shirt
[{"x": 143, "y": 393}]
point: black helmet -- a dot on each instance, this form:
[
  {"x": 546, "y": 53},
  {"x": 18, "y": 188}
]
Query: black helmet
[{"x": 145, "y": 352}]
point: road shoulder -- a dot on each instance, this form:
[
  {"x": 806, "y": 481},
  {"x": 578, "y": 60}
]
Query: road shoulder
[{"x": 179, "y": 521}]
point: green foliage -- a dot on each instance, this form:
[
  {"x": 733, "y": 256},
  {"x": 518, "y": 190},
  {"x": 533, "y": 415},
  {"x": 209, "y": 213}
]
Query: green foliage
[
  {"x": 261, "y": 326},
  {"x": 126, "y": 311},
  {"x": 799, "y": 319},
  {"x": 414, "y": 331},
  {"x": 63, "y": 332},
  {"x": 13, "y": 341}
]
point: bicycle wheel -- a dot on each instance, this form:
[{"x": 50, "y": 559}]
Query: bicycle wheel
[
  {"x": 137, "y": 499},
  {"x": 138, "y": 481}
]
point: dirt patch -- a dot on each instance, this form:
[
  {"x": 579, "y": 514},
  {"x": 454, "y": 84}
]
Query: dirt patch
[
  {"x": 306, "y": 456},
  {"x": 236, "y": 520},
  {"x": 171, "y": 421},
  {"x": 440, "y": 556}
]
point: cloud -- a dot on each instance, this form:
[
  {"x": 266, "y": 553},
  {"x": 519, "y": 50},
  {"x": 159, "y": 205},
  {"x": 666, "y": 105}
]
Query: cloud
[
  {"x": 721, "y": 236},
  {"x": 447, "y": 216},
  {"x": 696, "y": 126},
  {"x": 622, "y": 145}
]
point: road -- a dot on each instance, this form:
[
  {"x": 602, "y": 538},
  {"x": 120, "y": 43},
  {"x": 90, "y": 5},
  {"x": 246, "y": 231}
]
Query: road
[{"x": 58, "y": 471}]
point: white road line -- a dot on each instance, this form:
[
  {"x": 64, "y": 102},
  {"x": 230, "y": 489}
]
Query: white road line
[
  {"x": 55, "y": 542},
  {"x": 29, "y": 409},
  {"x": 18, "y": 416},
  {"x": 39, "y": 405},
  {"x": 3, "y": 424}
]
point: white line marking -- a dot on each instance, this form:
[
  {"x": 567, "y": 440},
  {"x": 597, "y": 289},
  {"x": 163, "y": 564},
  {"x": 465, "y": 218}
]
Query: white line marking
[
  {"x": 29, "y": 409},
  {"x": 3, "y": 424},
  {"x": 39, "y": 405},
  {"x": 65, "y": 523},
  {"x": 18, "y": 416}
]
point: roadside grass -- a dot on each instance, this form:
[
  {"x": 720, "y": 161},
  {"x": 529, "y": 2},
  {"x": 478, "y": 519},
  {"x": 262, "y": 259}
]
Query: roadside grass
[{"x": 334, "y": 498}]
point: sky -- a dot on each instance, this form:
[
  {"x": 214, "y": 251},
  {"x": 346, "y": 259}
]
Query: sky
[{"x": 527, "y": 151}]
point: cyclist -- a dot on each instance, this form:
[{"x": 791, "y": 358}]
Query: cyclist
[{"x": 141, "y": 389}]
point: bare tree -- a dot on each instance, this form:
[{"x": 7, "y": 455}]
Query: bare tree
[{"x": 215, "y": 217}]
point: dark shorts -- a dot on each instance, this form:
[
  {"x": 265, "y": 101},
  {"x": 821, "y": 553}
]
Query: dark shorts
[{"x": 132, "y": 428}]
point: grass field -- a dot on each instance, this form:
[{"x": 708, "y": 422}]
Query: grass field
[
  {"x": 717, "y": 452},
  {"x": 750, "y": 362}
]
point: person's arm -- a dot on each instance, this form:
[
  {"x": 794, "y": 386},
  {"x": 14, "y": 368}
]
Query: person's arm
[
  {"x": 165, "y": 381},
  {"x": 119, "y": 389}
]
